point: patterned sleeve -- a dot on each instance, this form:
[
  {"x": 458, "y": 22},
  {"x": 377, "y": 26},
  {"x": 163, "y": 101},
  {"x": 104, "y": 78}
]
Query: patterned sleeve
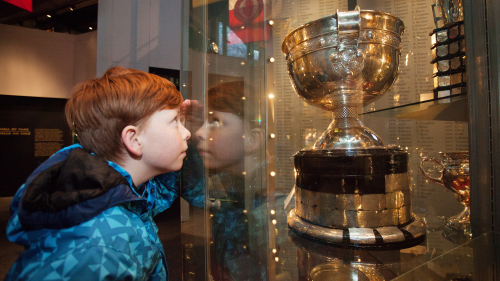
[
  {"x": 189, "y": 182},
  {"x": 193, "y": 187},
  {"x": 95, "y": 263},
  {"x": 162, "y": 191}
]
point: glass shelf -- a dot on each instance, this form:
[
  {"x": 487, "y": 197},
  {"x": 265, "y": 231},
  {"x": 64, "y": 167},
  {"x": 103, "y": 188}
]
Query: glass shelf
[
  {"x": 475, "y": 260},
  {"x": 451, "y": 108},
  {"x": 437, "y": 258}
]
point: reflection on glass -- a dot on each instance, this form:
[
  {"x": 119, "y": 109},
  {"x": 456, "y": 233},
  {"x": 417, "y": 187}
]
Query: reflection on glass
[{"x": 229, "y": 144}]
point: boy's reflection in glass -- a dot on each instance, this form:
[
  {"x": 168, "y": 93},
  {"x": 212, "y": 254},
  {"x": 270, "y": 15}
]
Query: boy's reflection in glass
[{"x": 230, "y": 143}]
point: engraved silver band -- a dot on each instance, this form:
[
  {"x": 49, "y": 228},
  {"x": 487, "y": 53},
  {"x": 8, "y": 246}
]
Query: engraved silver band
[
  {"x": 358, "y": 236},
  {"x": 358, "y": 210}
]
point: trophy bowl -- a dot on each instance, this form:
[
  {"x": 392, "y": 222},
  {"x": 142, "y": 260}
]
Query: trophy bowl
[
  {"x": 350, "y": 189},
  {"x": 344, "y": 60},
  {"x": 341, "y": 63},
  {"x": 455, "y": 176}
]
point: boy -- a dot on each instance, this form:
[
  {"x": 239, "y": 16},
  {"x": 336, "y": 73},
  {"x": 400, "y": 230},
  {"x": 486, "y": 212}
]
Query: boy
[{"x": 87, "y": 212}]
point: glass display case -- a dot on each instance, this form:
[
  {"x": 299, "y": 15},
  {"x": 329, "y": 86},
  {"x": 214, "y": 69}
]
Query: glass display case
[{"x": 249, "y": 120}]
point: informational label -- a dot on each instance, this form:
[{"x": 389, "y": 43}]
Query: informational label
[
  {"x": 15, "y": 132},
  {"x": 48, "y": 141},
  {"x": 31, "y": 130}
]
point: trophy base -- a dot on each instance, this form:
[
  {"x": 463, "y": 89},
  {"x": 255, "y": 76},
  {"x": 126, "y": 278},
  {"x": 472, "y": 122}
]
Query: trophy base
[{"x": 383, "y": 238}]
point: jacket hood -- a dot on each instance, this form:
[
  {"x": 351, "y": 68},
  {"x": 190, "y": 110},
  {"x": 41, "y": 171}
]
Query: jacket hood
[{"x": 69, "y": 188}]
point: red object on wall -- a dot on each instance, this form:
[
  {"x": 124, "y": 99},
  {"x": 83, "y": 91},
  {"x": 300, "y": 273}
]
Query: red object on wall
[
  {"x": 246, "y": 19},
  {"x": 25, "y": 4}
]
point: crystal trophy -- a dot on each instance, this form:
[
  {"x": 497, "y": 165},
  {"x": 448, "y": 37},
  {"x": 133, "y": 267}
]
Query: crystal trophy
[{"x": 455, "y": 176}]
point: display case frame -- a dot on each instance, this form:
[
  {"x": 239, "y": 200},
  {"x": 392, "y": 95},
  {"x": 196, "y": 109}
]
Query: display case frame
[{"x": 482, "y": 105}]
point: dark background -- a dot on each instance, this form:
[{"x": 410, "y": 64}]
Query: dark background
[{"x": 17, "y": 153}]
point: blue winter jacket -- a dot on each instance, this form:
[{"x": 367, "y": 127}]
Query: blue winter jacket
[{"x": 80, "y": 217}]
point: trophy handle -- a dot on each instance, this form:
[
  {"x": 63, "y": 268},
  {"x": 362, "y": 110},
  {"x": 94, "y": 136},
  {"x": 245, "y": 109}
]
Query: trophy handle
[
  {"x": 436, "y": 180},
  {"x": 347, "y": 60}
]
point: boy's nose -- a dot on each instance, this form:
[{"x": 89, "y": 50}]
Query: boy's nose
[
  {"x": 186, "y": 133},
  {"x": 200, "y": 134}
]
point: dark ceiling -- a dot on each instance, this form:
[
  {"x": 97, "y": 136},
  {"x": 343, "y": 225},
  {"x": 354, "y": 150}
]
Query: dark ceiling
[{"x": 66, "y": 16}]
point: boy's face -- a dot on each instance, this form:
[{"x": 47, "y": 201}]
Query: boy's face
[
  {"x": 164, "y": 141},
  {"x": 221, "y": 141}
]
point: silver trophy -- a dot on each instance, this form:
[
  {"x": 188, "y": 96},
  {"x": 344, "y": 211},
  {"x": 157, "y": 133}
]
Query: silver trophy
[
  {"x": 350, "y": 189},
  {"x": 454, "y": 175}
]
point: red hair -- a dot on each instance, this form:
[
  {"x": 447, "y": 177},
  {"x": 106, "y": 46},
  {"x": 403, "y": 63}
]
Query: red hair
[{"x": 99, "y": 109}]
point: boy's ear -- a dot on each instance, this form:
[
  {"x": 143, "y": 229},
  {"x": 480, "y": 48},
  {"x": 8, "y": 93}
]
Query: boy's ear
[
  {"x": 130, "y": 138},
  {"x": 253, "y": 140}
]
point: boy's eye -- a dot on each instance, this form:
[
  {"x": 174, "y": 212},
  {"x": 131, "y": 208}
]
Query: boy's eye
[{"x": 214, "y": 124}]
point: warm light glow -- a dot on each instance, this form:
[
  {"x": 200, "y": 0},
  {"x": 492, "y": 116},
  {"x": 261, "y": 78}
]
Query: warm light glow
[
  {"x": 90, "y": 27},
  {"x": 273, "y": 136},
  {"x": 277, "y": 259},
  {"x": 243, "y": 98},
  {"x": 273, "y": 174},
  {"x": 49, "y": 16},
  {"x": 274, "y": 251},
  {"x": 242, "y": 63},
  {"x": 211, "y": 139},
  {"x": 273, "y": 212},
  {"x": 271, "y": 96},
  {"x": 271, "y": 59},
  {"x": 271, "y": 22},
  {"x": 274, "y": 221},
  {"x": 243, "y": 173}
]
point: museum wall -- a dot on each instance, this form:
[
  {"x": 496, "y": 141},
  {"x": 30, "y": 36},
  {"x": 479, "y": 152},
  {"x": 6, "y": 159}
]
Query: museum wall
[
  {"x": 139, "y": 35},
  {"x": 37, "y": 63}
]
